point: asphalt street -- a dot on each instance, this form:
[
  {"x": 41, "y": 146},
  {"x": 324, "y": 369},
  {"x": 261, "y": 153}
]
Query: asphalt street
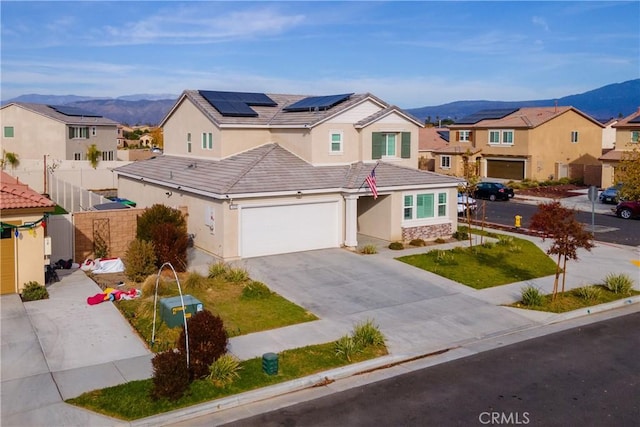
[{"x": 586, "y": 376}]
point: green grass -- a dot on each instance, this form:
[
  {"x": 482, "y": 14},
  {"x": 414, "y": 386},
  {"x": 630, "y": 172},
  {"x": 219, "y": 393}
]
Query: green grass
[
  {"x": 571, "y": 300},
  {"x": 131, "y": 401},
  {"x": 486, "y": 266}
]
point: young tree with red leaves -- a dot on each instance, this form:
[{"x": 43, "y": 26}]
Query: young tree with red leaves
[{"x": 559, "y": 223}]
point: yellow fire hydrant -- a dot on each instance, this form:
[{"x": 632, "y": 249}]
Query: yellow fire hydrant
[{"x": 518, "y": 220}]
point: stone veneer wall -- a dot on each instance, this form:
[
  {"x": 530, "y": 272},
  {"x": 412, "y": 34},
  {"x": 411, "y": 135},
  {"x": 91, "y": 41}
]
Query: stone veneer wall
[{"x": 427, "y": 232}]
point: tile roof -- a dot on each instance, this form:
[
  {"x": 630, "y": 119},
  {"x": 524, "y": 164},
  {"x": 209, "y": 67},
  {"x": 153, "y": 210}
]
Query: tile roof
[
  {"x": 270, "y": 169},
  {"x": 16, "y": 195},
  {"x": 47, "y": 111},
  {"x": 526, "y": 117},
  {"x": 277, "y": 117}
]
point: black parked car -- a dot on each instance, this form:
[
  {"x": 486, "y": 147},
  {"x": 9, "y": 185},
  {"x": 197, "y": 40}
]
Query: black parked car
[{"x": 492, "y": 191}]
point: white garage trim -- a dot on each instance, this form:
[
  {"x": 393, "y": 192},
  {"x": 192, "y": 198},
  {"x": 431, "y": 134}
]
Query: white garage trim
[{"x": 284, "y": 228}]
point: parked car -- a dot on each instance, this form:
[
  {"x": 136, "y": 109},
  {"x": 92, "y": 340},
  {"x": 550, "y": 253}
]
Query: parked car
[
  {"x": 628, "y": 209},
  {"x": 462, "y": 204},
  {"x": 492, "y": 191},
  {"x": 610, "y": 195}
]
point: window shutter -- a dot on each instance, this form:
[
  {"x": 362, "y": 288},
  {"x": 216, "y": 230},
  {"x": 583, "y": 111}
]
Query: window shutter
[
  {"x": 376, "y": 145},
  {"x": 405, "y": 148}
]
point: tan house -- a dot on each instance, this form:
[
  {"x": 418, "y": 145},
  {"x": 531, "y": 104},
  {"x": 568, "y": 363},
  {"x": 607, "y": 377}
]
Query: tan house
[
  {"x": 627, "y": 139},
  {"x": 62, "y": 132},
  {"x": 264, "y": 174},
  {"x": 22, "y": 250},
  {"x": 527, "y": 143}
]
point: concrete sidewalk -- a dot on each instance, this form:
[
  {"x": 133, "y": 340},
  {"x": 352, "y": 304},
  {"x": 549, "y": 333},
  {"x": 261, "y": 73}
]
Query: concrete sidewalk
[{"x": 61, "y": 347}]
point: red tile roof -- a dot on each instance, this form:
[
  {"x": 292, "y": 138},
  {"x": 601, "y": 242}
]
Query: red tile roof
[{"x": 16, "y": 195}]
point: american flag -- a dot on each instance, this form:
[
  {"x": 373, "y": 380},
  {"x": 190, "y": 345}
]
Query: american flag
[{"x": 371, "y": 181}]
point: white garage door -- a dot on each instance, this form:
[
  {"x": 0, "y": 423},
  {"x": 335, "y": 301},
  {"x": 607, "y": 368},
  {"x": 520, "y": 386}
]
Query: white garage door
[{"x": 269, "y": 230}]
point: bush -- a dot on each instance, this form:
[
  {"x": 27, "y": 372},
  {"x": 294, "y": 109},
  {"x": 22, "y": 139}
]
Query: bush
[
  {"x": 207, "y": 342},
  {"x": 587, "y": 293},
  {"x": 255, "y": 290},
  {"x": 531, "y": 296},
  {"x": 34, "y": 291},
  {"x": 219, "y": 269},
  {"x": 367, "y": 334},
  {"x": 171, "y": 245},
  {"x": 396, "y": 246},
  {"x": 140, "y": 260},
  {"x": 347, "y": 347},
  {"x": 224, "y": 370},
  {"x": 619, "y": 283},
  {"x": 170, "y": 375},
  {"x": 369, "y": 250},
  {"x": 417, "y": 242}
]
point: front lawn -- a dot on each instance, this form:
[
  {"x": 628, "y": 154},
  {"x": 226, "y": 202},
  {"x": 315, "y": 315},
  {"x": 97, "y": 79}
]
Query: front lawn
[
  {"x": 131, "y": 401},
  {"x": 492, "y": 264}
]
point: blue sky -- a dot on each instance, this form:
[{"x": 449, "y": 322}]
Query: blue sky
[{"x": 411, "y": 54}]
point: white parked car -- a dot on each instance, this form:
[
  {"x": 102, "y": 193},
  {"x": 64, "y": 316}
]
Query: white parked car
[{"x": 463, "y": 203}]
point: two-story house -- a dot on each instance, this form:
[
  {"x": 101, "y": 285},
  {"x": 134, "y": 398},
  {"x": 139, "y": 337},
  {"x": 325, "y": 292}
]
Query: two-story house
[
  {"x": 62, "y": 132},
  {"x": 627, "y": 139},
  {"x": 271, "y": 173},
  {"x": 537, "y": 143}
]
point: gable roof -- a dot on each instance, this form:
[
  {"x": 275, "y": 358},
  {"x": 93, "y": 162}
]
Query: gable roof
[
  {"x": 16, "y": 195},
  {"x": 271, "y": 169},
  {"x": 277, "y": 116},
  {"x": 526, "y": 117},
  {"x": 51, "y": 112}
]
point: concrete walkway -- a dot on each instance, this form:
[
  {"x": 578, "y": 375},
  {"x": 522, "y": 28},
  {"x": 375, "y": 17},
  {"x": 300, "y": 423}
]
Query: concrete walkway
[{"x": 61, "y": 347}]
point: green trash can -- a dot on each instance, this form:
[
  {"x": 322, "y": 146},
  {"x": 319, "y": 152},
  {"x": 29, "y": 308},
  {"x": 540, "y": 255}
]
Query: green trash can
[{"x": 270, "y": 363}]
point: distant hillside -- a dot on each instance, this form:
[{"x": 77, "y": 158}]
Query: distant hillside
[{"x": 614, "y": 100}]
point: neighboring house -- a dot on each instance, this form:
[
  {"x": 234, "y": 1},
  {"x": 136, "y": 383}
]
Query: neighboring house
[
  {"x": 627, "y": 139},
  {"x": 62, "y": 132},
  {"x": 22, "y": 250},
  {"x": 265, "y": 174},
  {"x": 430, "y": 139},
  {"x": 527, "y": 143}
]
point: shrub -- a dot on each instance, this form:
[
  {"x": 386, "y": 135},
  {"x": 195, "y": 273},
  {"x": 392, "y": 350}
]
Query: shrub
[
  {"x": 369, "y": 250},
  {"x": 588, "y": 293},
  {"x": 236, "y": 275},
  {"x": 347, "y": 347},
  {"x": 207, "y": 342},
  {"x": 34, "y": 291},
  {"x": 367, "y": 334},
  {"x": 396, "y": 246},
  {"x": 255, "y": 290},
  {"x": 224, "y": 370},
  {"x": 219, "y": 269},
  {"x": 531, "y": 296},
  {"x": 417, "y": 242},
  {"x": 140, "y": 260},
  {"x": 619, "y": 283},
  {"x": 170, "y": 245},
  {"x": 170, "y": 375}
]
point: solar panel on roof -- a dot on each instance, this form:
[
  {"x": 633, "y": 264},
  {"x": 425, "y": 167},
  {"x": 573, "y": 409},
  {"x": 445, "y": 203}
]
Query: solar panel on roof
[
  {"x": 237, "y": 104},
  {"x": 493, "y": 114},
  {"x": 68, "y": 110},
  {"x": 635, "y": 120},
  {"x": 317, "y": 102}
]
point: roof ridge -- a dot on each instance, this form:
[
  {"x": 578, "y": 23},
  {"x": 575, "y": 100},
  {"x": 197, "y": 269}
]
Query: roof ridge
[{"x": 245, "y": 171}]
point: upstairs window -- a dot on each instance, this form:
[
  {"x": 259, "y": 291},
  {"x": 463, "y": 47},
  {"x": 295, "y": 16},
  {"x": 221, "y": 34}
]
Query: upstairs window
[
  {"x": 389, "y": 144},
  {"x": 8, "y": 131},
  {"x": 77, "y": 132},
  {"x": 574, "y": 136},
  {"x": 335, "y": 142}
]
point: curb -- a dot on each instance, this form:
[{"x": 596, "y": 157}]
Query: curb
[{"x": 323, "y": 378}]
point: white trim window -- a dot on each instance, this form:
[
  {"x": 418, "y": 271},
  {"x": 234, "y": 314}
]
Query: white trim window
[
  {"x": 574, "y": 136},
  {"x": 207, "y": 141},
  {"x": 78, "y": 132},
  {"x": 635, "y": 136},
  {"x": 500, "y": 136},
  {"x": 336, "y": 139},
  {"x": 420, "y": 206},
  {"x": 445, "y": 162}
]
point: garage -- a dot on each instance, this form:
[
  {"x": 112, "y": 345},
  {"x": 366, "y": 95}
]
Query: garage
[
  {"x": 277, "y": 229},
  {"x": 505, "y": 169}
]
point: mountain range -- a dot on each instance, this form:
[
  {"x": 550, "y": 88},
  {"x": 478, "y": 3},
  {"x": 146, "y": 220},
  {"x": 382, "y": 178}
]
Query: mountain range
[{"x": 604, "y": 103}]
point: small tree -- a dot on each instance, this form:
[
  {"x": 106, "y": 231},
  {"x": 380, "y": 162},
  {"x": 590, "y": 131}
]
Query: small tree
[
  {"x": 628, "y": 174},
  {"x": 559, "y": 223},
  {"x": 93, "y": 155}
]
